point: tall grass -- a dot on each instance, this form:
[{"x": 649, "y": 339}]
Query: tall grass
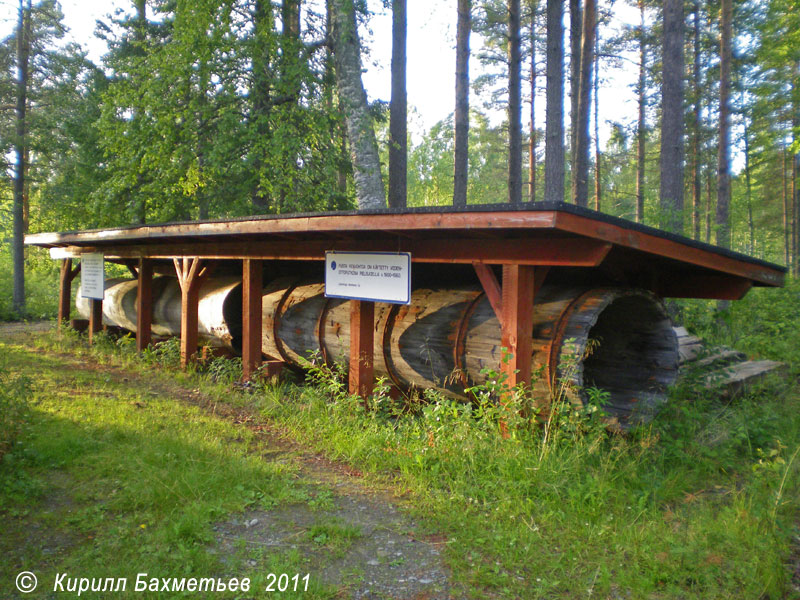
[{"x": 697, "y": 505}]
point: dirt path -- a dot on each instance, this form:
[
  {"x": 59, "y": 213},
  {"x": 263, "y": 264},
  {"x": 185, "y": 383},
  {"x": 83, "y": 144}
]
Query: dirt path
[{"x": 348, "y": 535}]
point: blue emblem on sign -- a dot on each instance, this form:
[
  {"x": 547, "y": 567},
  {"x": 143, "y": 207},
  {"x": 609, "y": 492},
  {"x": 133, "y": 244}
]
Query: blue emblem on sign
[{"x": 333, "y": 265}]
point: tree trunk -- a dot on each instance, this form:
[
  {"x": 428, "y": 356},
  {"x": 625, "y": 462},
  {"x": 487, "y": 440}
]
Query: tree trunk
[
  {"x": 398, "y": 117},
  {"x": 709, "y": 205},
  {"x": 26, "y": 194},
  {"x": 796, "y": 173},
  {"x": 260, "y": 93},
  {"x": 554, "y": 127},
  {"x": 696, "y": 111},
  {"x": 291, "y": 48},
  {"x": 793, "y": 257},
  {"x": 580, "y": 168},
  {"x": 363, "y": 145},
  {"x": 786, "y": 217},
  {"x": 139, "y": 200},
  {"x": 723, "y": 154},
  {"x": 462, "y": 104},
  {"x": 532, "y": 153},
  {"x": 641, "y": 133},
  {"x": 597, "y": 171},
  {"x": 671, "y": 192},
  {"x": 575, "y": 24},
  {"x": 514, "y": 104},
  {"x": 20, "y": 150},
  {"x": 795, "y": 191},
  {"x": 749, "y": 189}
]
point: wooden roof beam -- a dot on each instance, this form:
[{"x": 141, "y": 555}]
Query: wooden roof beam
[{"x": 568, "y": 252}]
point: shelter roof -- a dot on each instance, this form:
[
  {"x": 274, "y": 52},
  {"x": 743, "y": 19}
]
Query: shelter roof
[{"x": 552, "y": 234}]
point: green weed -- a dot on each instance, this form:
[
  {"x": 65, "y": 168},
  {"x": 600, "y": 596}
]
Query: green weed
[{"x": 14, "y": 408}]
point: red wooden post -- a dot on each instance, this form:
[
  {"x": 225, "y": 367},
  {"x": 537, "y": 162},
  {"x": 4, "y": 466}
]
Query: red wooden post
[
  {"x": 252, "y": 289},
  {"x": 190, "y": 278},
  {"x": 362, "y": 323},
  {"x": 517, "y": 322},
  {"x": 189, "y": 301},
  {"x": 65, "y": 291},
  {"x": 144, "y": 304},
  {"x": 95, "y": 317}
]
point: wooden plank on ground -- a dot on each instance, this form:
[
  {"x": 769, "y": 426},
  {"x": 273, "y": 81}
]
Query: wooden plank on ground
[
  {"x": 719, "y": 355},
  {"x": 733, "y": 379}
]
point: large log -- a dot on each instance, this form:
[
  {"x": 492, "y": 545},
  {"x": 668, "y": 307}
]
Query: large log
[
  {"x": 618, "y": 340},
  {"x": 615, "y": 339},
  {"x": 219, "y": 310}
]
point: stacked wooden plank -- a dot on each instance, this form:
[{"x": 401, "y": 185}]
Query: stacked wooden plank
[{"x": 725, "y": 371}]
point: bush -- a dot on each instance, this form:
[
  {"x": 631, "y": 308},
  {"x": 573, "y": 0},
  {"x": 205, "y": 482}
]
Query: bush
[{"x": 41, "y": 289}]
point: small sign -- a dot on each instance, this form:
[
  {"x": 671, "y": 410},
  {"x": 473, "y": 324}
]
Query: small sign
[
  {"x": 92, "y": 276},
  {"x": 376, "y": 276}
]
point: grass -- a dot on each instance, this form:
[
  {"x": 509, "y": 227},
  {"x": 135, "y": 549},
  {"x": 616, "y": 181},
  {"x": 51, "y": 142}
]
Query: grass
[
  {"x": 688, "y": 508},
  {"x": 112, "y": 479},
  {"x": 703, "y": 503}
]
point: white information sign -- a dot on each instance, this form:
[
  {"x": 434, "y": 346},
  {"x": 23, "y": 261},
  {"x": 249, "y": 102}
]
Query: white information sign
[
  {"x": 377, "y": 276},
  {"x": 92, "y": 276}
]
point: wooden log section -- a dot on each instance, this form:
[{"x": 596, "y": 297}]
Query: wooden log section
[
  {"x": 446, "y": 336},
  {"x": 630, "y": 352},
  {"x": 219, "y": 309}
]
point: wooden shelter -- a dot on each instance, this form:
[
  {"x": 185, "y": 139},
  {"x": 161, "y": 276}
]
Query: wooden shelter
[{"x": 511, "y": 248}]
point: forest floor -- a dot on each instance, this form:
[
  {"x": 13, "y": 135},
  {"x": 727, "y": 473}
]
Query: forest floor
[{"x": 353, "y": 539}]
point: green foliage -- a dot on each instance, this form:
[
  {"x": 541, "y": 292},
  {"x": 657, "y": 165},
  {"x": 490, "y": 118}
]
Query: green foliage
[
  {"x": 166, "y": 353},
  {"x": 224, "y": 370},
  {"x": 430, "y": 164},
  {"x": 764, "y": 323},
  {"x": 41, "y": 285},
  {"x": 14, "y": 408}
]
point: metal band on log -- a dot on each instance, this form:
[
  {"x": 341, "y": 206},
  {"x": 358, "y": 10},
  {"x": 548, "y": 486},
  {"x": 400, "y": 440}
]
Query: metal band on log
[{"x": 616, "y": 339}]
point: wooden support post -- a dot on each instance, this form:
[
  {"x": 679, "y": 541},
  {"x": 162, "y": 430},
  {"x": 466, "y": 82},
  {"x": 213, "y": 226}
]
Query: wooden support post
[
  {"x": 252, "y": 289},
  {"x": 191, "y": 274},
  {"x": 517, "y": 323},
  {"x": 144, "y": 304},
  {"x": 95, "y": 317},
  {"x": 65, "y": 289},
  {"x": 64, "y": 292},
  {"x": 362, "y": 325}
]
